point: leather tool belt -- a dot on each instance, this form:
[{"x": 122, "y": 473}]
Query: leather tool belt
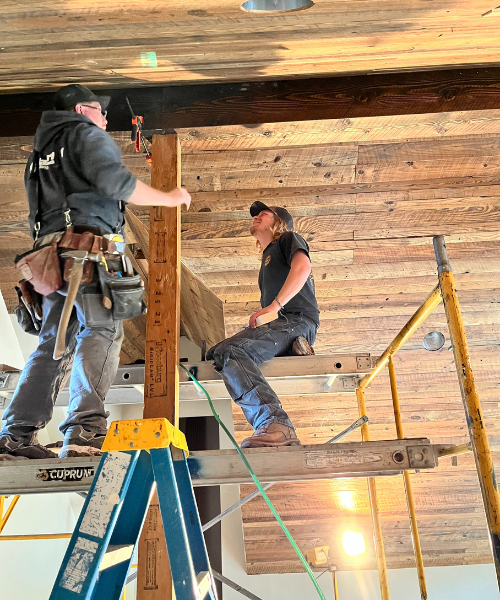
[
  {"x": 89, "y": 242},
  {"x": 42, "y": 266},
  {"x": 40, "y": 269}
]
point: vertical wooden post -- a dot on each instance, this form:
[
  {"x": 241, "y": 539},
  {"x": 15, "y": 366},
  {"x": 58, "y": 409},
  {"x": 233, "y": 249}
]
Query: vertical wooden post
[{"x": 161, "y": 373}]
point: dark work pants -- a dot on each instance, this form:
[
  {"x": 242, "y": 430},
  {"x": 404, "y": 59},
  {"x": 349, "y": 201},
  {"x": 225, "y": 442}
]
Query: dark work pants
[{"x": 238, "y": 357}]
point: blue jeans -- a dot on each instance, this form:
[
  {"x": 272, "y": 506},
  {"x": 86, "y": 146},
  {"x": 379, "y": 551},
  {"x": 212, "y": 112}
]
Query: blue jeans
[
  {"x": 92, "y": 356},
  {"x": 238, "y": 357}
]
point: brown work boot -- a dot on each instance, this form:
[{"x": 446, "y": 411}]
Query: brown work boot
[
  {"x": 301, "y": 347},
  {"x": 272, "y": 435}
]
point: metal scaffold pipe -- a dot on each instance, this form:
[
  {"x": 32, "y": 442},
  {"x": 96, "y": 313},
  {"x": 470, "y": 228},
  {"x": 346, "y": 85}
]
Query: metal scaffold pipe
[
  {"x": 408, "y": 489},
  {"x": 470, "y": 397},
  {"x": 6, "y": 517},
  {"x": 377, "y": 525},
  {"x": 408, "y": 330}
]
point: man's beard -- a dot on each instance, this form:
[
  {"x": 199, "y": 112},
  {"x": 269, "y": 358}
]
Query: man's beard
[{"x": 254, "y": 228}]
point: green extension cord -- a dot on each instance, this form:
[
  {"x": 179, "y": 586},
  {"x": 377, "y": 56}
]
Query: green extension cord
[{"x": 258, "y": 484}]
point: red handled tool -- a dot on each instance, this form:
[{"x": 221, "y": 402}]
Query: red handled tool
[{"x": 137, "y": 135}]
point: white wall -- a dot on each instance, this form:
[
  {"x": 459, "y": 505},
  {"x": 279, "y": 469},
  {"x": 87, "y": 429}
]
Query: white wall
[
  {"x": 10, "y": 351},
  {"x": 28, "y": 568}
]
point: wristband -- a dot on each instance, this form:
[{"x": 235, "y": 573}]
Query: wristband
[{"x": 281, "y": 306}]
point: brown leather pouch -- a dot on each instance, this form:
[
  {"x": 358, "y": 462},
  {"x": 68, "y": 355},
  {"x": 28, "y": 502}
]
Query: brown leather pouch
[
  {"x": 78, "y": 241},
  {"x": 88, "y": 270},
  {"x": 41, "y": 268}
]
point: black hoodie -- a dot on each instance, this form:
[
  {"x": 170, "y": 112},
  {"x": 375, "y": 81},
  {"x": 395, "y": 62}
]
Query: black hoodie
[{"x": 81, "y": 163}]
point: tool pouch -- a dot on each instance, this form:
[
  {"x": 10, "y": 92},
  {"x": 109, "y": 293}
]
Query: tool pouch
[
  {"x": 41, "y": 268},
  {"x": 88, "y": 270},
  {"x": 126, "y": 294},
  {"x": 29, "y": 309}
]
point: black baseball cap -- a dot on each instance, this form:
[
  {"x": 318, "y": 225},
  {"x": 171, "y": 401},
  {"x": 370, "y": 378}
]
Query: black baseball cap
[
  {"x": 282, "y": 213},
  {"x": 73, "y": 94}
]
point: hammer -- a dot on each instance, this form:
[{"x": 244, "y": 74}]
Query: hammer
[{"x": 75, "y": 278}]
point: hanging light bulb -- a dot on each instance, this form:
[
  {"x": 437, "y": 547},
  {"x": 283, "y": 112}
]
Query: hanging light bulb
[
  {"x": 276, "y": 5},
  {"x": 353, "y": 542}
]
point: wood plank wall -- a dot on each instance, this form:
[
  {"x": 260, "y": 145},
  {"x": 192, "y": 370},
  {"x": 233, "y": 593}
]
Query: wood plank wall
[{"x": 367, "y": 194}]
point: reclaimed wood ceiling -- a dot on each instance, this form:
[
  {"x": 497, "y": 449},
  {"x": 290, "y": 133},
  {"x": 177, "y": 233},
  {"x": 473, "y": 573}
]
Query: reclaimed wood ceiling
[
  {"x": 121, "y": 43},
  {"x": 367, "y": 194}
]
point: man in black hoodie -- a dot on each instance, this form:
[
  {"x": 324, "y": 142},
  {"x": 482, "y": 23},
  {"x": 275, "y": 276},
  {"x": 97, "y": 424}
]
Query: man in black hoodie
[{"x": 81, "y": 183}]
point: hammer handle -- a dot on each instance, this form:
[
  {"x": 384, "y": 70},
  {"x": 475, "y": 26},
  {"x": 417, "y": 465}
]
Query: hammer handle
[{"x": 75, "y": 278}]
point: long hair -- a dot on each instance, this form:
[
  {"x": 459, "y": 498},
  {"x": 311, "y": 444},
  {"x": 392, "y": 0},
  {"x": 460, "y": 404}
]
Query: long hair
[{"x": 278, "y": 228}]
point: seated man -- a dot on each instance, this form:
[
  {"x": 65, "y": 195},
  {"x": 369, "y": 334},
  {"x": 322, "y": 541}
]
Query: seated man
[{"x": 287, "y": 287}]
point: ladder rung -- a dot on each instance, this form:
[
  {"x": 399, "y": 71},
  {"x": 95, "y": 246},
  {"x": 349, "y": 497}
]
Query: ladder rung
[
  {"x": 204, "y": 581},
  {"x": 115, "y": 555}
]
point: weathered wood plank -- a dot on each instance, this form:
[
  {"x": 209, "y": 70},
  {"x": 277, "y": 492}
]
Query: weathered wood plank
[
  {"x": 161, "y": 375},
  {"x": 428, "y": 150},
  {"x": 346, "y": 131},
  {"x": 202, "y": 313},
  {"x": 424, "y": 169}
]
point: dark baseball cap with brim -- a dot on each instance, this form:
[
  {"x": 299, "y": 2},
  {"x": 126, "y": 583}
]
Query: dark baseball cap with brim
[
  {"x": 73, "y": 94},
  {"x": 282, "y": 213}
]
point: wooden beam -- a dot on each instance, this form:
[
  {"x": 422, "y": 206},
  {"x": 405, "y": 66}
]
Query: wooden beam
[
  {"x": 202, "y": 313},
  {"x": 161, "y": 395},
  {"x": 163, "y": 324},
  {"x": 282, "y": 100}
]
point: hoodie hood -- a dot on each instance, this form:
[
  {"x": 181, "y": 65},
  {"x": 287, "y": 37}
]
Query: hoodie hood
[
  {"x": 52, "y": 122},
  {"x": 80, "y": 170}
]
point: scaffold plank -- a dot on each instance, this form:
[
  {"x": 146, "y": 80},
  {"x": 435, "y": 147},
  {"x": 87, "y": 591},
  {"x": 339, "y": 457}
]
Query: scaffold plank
[
  {"x": 220, "y": 467},
  {"x": 287, "y": 375}
]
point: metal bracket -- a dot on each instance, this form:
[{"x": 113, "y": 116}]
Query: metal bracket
[
  {"x": 364, "y": 362},
  {"x": 422, "y": 458},
  {"x": 346, "y": 383},
  {"x": 350, "y": 383}
]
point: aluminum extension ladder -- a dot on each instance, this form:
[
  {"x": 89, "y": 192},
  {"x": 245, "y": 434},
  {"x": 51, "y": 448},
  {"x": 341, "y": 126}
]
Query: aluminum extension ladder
[{"x": 136, "y": 454}]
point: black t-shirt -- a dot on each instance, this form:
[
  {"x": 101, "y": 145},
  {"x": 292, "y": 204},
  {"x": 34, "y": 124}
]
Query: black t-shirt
[{"x": 276, "y": 264}]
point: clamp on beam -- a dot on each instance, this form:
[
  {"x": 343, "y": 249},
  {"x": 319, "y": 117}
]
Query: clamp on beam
[{"x": 143, "y": 434}]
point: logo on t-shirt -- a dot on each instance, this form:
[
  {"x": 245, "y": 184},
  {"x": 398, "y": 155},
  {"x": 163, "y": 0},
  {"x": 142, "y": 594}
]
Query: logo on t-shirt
[{"x": 267, "y": 261}]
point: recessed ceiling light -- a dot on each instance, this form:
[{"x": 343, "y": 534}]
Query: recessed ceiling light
[{"x": 276, "y": 5}]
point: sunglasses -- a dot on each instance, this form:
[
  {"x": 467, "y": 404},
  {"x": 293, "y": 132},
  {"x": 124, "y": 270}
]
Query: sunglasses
[{"x": 104, "y": 113}]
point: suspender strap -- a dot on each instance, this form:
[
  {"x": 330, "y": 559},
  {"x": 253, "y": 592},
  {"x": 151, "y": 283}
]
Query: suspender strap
[{"x": 35, "y": 174}]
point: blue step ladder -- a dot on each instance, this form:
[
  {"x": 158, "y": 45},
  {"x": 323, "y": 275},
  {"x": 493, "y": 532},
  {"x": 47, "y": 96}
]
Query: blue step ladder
[{"x": 136, "y": 455}]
